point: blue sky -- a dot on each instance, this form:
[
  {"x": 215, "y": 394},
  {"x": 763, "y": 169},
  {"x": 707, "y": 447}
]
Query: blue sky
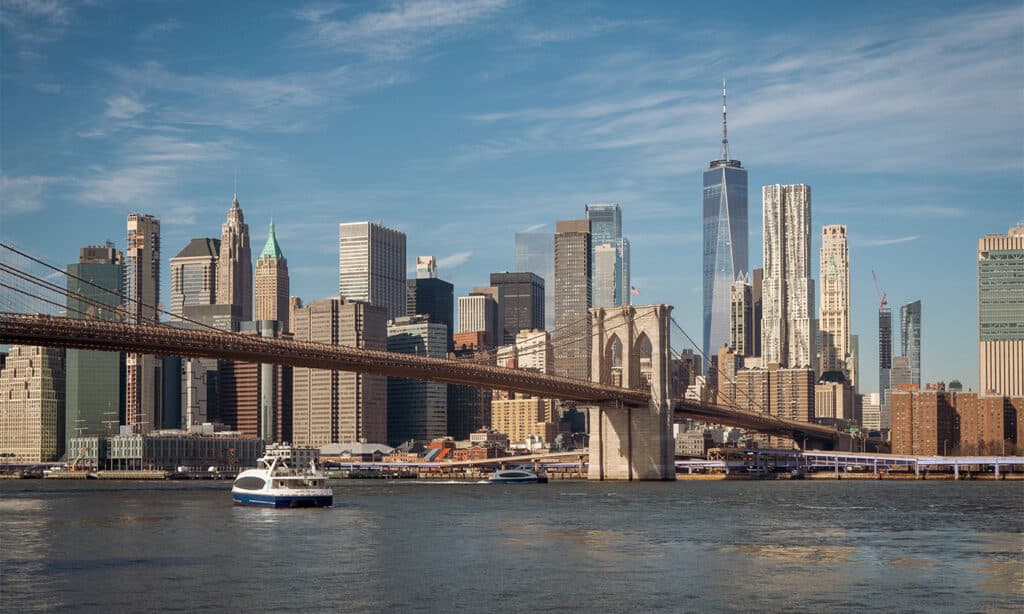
[{"x": 461, "y": 122}]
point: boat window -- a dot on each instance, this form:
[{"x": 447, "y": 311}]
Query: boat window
[
  {"x": 513, "y": 474},
  {"x": 250, "y": 483}
]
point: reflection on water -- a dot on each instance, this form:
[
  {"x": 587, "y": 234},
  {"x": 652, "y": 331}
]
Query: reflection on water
[{"x": 686, "y": 546}]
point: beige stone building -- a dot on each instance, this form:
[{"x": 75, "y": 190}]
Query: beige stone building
[
  {"x": 272, "y": 284},
  {"x": 834, "y": 314},
  {"x": 143, "y": 372},
  {"x": 234, "y": 266},
  {"x": 339, "y": 406},
  {"x": 32, "y": 405},
  {"x": 519, "y": 418}
]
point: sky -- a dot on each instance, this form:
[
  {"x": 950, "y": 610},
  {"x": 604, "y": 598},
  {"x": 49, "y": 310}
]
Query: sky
[{"x": 461, "y": 122}]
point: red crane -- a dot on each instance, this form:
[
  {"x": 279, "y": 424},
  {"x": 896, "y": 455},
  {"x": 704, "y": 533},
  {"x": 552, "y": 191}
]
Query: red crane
[{"x": 882, "y": 302}]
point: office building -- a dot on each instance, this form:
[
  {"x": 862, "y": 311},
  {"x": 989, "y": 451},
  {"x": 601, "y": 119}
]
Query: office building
[
  {"x": 339, "y": 406},
  {"x": 416, "y": 409},
  {"x": 256, "y": 399},
  {"x": 522, "y": 303},
  {"x": 194, "y": 275},
  {"x": 786, "y": 393},
  {"x": 853, "y": 362},
  {"x": 741, "y": 318},
  {"x": 94, "y": 390},
  {"x": 535, "y": 253},
  {"x": 725, "y": 256},
  {"x": 32, "y": 405},
  {"x": 910, "y": 338},
  {"x": 835, "y": 400},
  {"x": 478, "y": 313},
  {"x": 371, "y": 265},
  {"x": 757, "y": 311},
  {"x": 534, "y": 352},
  {"x": 610, "y": 272},
  {"x": 1001, "y": 313},
  {"x": 884, "y": 352},
  {"x": 469, "y": 407},
  {"x": 142, "y": 296},
  {"x": 234, "y": 267},
  {"x": 572, "y": 335},
  {"x": 787, "y": 326},
  {"x": 433, "y": 298},
  {"x": 834, "y": 317},
  {"x": 272, "y": 283},
  {"x": 426, "y": 267},
  {"x": 871, "y": 413}
]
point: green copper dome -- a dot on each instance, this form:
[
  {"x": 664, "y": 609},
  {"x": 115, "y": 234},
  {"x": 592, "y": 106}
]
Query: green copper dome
[{"x": 271, "y": 249}]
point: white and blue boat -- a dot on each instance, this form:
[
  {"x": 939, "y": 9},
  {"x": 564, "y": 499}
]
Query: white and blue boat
[
  {"x": 274, "y": 484},
  {"x": 517, "y": 476}
]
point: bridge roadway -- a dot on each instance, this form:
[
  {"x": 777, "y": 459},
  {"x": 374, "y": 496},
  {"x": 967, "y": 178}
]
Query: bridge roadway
[{"x": 53, "y": 331}]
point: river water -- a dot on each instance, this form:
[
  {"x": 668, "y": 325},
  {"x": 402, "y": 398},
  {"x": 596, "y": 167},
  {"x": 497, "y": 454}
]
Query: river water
[{"x": 687, "y": 546}]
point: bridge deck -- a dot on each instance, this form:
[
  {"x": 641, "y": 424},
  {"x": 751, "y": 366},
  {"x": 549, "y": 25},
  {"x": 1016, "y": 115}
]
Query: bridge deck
[{"x": 160, "y": 339}]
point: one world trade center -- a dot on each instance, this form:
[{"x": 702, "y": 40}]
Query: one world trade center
[{"x": 725, "y": 239}]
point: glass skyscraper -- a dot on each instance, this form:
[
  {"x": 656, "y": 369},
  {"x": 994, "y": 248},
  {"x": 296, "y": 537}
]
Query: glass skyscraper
[
  {"x": 535, "y": 253},
  {"x": 606, "y": 229},
  {"x": 910, "y": 338},
  {"x": 725, "y": 239},
  {"x": 1001, "y": 312}
]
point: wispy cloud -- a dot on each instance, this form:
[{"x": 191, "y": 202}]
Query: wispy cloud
[
  {"x": 23, "y": 194},
  {"x": 879, "y": 242},
  {"x": 454, "y": 260},
  {"x": 124, "y": 107},
  {"x": 571, "y": 32},
  {"x": 153, "y": 31},
  {"x": 841, "y": 99},
  {"x": 397, "y": 31},
  {"x": 30, "y": 22},
  {"x": 48, "y": 88}
]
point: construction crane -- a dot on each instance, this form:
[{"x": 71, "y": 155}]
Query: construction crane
[{"x": 882, "y": 301}]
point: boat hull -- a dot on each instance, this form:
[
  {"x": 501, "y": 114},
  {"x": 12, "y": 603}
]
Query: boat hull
[
  {"x": 282, "y": 501},
  {"x": 531, "y": 480}
]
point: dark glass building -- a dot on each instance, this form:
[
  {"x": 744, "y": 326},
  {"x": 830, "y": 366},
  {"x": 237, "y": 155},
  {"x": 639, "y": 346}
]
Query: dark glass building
[
  {"x": 522, "y": 296},
  {"x": 434, "y": 298}
]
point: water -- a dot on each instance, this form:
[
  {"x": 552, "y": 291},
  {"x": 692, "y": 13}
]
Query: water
[{"x": 426, "y": 547}]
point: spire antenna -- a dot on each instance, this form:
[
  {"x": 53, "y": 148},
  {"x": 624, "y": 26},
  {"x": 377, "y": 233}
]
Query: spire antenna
[{"x": 725, "y": 128}]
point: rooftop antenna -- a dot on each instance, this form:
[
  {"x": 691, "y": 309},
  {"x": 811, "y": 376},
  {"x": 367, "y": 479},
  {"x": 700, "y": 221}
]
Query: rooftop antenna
[
  {"x": 725, "y": 128},
  {"x": 236, "y": 183}
]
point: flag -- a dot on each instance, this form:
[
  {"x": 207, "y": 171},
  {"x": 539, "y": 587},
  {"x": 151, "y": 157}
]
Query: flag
[{"x": 634, "y": 291}]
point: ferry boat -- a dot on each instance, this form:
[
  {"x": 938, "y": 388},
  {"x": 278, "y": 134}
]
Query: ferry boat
[
  {"x": 274, "y": 484},
  {"x": 517, "y": 476}
]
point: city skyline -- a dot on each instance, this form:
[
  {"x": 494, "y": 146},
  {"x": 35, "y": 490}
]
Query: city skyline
[{"x": 929, "y": 233}]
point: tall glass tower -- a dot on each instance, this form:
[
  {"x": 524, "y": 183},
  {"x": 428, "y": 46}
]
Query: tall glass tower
[
  {"x": 535, "y": 253},
  {"x": 910, "y": 338},
  {"x": 611, "y": 273},
  {"x": 725, "y": 239}
]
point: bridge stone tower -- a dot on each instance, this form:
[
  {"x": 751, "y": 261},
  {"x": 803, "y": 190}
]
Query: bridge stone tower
[{"x": 632, "y": 442}]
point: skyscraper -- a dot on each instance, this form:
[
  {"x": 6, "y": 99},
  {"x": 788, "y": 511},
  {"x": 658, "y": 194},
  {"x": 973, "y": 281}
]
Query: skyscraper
[
  {"x": 884, "y": 353},
  {"x": 725, "y": 239},
  {"x": 522, "y": 303},
  {"x": 573, "y": 299},
  {"x": 478, "y": 312},
  {"x": 95, "y": 380},
  {"x": 194, "y": 275},
  {"x": 416, "y": 409},
  {"x": 142, "y": 296},
  {"x": 910, "y": 338},
  {"x": 32, "y": 404},
  {"x": 371, "y": 266},
  {"x": 787, "y": 326},
  {"x": 741, "y": 309},
  {"x": 1001, "y": 313},
  {"x": 234, "y": 267},
  {"x": 834, "y": 318},
  {"x": 757, "y": 311},
  {"x": 535, "y": 253},
  {"x": 434, "y": 298},
  {"x": 339, "y": 406},
  {"x": 426, "y": 267},
  {"x": 272, "y": 283},
  {"x": 611, "y": 274}
]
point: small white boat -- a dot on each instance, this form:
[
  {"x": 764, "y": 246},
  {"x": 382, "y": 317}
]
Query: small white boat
[
  {"x": 274, "y": 484},
  {"x": 517, "y": 476}
]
